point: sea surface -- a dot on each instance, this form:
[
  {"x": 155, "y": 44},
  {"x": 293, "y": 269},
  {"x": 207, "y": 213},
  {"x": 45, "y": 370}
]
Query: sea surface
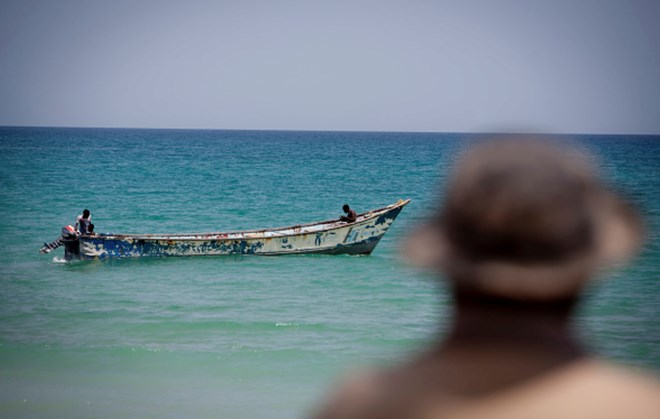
[{"x": 248, "y": 337}]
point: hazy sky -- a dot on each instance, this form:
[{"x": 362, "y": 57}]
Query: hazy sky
[{"x": 567, "y": 66}]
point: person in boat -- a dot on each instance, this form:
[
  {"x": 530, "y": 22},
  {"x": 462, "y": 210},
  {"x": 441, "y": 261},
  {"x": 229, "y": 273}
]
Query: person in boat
[
  {"x": 524, "y": 227},
  {"x": 83, "y": 222},
  {"x": 350, "y": 216}
]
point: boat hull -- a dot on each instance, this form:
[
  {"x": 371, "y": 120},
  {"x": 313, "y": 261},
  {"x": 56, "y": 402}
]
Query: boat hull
[{"x": 330, "y": 237}]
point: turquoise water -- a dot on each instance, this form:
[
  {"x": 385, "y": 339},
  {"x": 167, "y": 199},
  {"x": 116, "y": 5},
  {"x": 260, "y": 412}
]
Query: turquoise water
[{"x": 246, "y": 337}]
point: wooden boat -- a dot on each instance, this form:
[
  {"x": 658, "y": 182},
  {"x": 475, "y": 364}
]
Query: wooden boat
[{"x": 326, "y": 237}]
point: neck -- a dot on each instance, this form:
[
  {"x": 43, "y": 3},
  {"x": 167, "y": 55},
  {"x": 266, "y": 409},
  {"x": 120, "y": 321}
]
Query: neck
[
  {"x": 496, "y": 342},
  {"x": 521, "y": 323}
]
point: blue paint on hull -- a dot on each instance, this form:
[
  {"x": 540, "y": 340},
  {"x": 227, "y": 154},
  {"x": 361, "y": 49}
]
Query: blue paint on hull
[
  {"x": 361, "y": 248},
  {"x": 123, "y": 249},
  {"x": 156, "y": 248}
]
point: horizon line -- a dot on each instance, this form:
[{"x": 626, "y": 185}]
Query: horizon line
[{"x": 337, "y": 130}]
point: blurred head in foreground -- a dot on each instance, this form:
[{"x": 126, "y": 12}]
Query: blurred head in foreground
[
  {"x": 524, "y": 225},
  {"x": 525, "y": 220}
]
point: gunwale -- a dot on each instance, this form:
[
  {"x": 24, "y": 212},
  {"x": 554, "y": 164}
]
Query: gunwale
[{"x": 297, "y": 230}]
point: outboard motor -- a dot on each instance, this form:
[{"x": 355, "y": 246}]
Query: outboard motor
[
  {"x": 69, "y": 232},
  {"x": 69, "y": 240},
  {"x": 71, "y": 243}
]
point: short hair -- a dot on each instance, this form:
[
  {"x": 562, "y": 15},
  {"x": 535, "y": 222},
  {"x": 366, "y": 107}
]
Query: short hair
[
  {"x": 85, "y": 213},
  {"x": 345, "y": 208}
]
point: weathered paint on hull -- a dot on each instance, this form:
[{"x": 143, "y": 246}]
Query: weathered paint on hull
[{"x": 331, "y": 237}]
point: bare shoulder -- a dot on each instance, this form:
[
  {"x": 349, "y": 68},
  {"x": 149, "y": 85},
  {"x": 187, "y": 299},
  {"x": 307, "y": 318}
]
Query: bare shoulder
[
  {"x": 605, "y": 379},
  {"x": 353, "y": 396},
  {"x": 626, "y": 386},
  {"x": 403, "y": 391},
  {"x": 586, "y": 389}
]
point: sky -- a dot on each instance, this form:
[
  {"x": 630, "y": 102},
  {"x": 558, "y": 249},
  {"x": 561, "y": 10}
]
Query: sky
[{"x": 580, "y": 66}]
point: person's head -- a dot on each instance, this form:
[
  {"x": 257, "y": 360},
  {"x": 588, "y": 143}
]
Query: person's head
[
  {"x": 85, "y": 213},
  {"x": 90, "y": 229},
  {"x": 527, "y": 220},
  {"x": 346, "y": 208}
]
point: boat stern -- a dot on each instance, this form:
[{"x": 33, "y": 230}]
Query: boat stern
[{"x": 71, "y": 248}]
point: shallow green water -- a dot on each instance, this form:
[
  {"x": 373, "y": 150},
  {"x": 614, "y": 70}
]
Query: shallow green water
[{"x": 244, "y": 337}]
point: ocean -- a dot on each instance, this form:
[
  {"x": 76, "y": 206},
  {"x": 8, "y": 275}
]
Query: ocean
[{"x": 246, "y": 336}]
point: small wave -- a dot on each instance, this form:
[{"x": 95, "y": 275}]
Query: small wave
[
  {"x": 59, "y": 260},
  {"x": 287, "y": 324}
]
